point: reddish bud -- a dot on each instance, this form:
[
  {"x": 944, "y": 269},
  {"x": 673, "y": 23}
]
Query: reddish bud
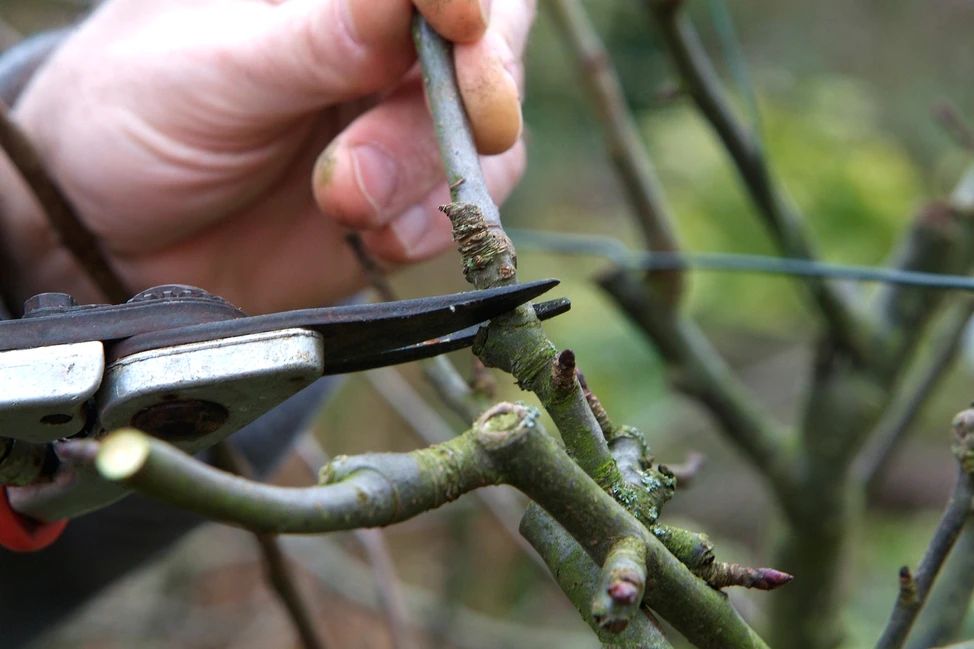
[
  {"x": 623, "y": 592},
  {"x": 769, "y": 579},
  {"x": 563, "y": 371}
]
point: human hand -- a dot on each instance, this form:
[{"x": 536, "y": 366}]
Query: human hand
[{"x": 186, "y": 132}]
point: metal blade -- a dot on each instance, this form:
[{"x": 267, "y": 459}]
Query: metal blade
[
  {"x": 434, "y": 347},
  {"x": 360, "y": 330}
]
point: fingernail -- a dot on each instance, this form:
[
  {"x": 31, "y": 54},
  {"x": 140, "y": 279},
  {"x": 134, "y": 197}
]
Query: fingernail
[
  {"x": 375, "y": 174},
  {"x": 411, "y": 226},
  {"x": 324, "y": 169}
]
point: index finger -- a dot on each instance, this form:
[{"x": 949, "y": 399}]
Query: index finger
[{"x": 461, "y": 21}]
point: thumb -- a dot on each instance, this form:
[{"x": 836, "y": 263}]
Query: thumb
[{"x": 312, "y": 53}]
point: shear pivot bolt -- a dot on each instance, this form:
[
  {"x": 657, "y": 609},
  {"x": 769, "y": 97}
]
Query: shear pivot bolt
[
  {"x": 44, "y": 301},
  {"x": 181, "y": 420}
]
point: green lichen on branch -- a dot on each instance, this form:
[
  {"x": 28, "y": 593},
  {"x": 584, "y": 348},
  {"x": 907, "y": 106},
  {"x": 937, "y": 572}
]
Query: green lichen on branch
[
  {"x": 644, "y": 492},
  {"x": 694, "y": 550},
  {"x": 635, "y": 463},
  {"x": 581, "y": 579}
]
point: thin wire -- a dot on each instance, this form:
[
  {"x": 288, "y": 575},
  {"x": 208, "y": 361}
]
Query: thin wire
[{"x": 617, "y": 252}]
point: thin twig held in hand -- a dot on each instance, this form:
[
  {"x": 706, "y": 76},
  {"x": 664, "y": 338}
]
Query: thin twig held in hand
[{"x": 514, "y": 342}]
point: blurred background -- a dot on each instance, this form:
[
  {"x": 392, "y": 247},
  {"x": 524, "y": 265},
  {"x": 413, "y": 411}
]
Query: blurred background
[{"x": 844, "y": 90}]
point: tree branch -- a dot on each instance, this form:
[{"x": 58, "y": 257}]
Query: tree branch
[
  {"x": 578, "y": 576},
  {"x": 376, "y": 549},
  {"x": 886, "y": 439},
  {"x": 915, "y": 588},
  {"x": 507, "y": 444},
  {"x": 517, "y": 344},
  {"x": 947, "y": 604},
  {"x": 73, "y": 233},
  {"x": 633, "y": 164},
  {"x": 779, "y": 215},
  {"x": 697, "y": 369},
  {"x": 516, "y": 341},
  {"x": 364, "y": 491},
  {"x": 276, "y": 568}
]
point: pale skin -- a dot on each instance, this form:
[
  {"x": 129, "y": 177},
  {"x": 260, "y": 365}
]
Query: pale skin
[{"x": 230, "y": 144}]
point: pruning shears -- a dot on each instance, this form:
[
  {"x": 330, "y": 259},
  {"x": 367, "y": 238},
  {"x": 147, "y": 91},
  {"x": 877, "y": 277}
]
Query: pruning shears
[{"x": 190, "y": 368}]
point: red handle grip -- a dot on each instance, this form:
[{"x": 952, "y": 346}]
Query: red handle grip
[{"x": 22, "y": 534}]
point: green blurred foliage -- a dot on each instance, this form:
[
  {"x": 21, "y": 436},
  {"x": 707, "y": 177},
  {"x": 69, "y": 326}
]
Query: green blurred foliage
[{"x": 854, "y": 183}]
